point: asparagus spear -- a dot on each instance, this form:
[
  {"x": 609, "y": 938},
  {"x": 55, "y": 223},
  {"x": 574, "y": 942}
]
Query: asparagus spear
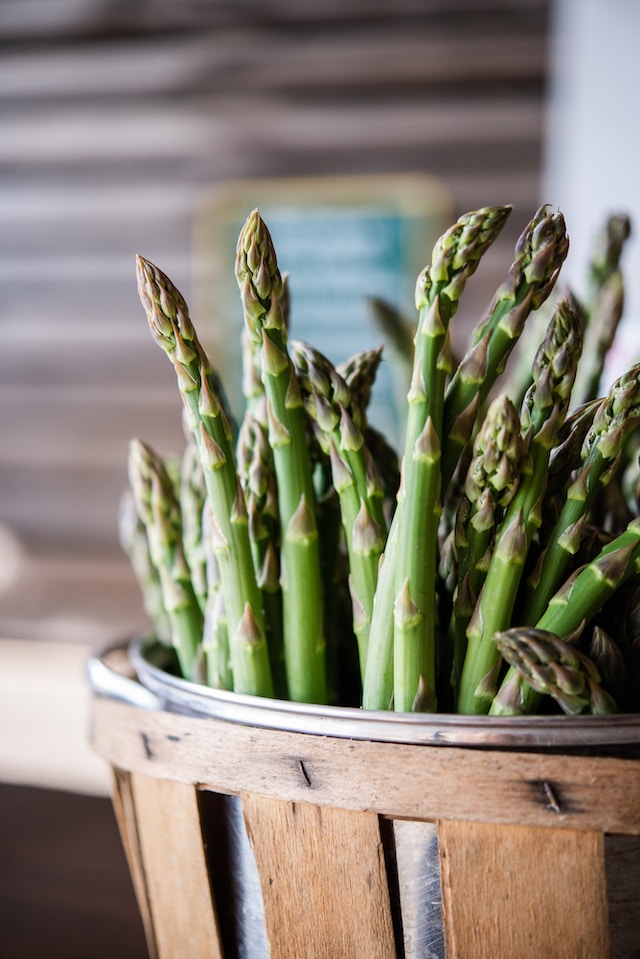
[
  {"x": 617, "y": 415},
  {"x": 455, "y": 258},
  {"x": 359, "y": 373},
  {"x": 575, "y": 604},
  {"x": 260, "y": 284},
  {"x": 491, "y": 483},
  {"x": 553, "y": 667},
  {"x": 543, "y": 411},
  {"x": 539, "y": 255},
  {"x": 133, "y": 539},
  {"x": 603, "y": 305},
  {"x": 192, "y": 495},
  {"x": 210, "y": 422},
  {"x": 159, "y": 510},
  {"x": 215, "y": 630},
  {"x": 378, "y": 690},
  {"x": 257, "y": 476},
  {"x": 327, "y": 399}
]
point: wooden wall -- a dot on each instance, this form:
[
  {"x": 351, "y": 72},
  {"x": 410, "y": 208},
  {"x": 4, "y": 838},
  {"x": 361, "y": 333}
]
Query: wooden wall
[{"x": 116, "y": 117}]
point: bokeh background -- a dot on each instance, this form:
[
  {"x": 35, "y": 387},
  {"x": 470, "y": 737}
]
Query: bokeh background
[{"x": 118, "y": 123}]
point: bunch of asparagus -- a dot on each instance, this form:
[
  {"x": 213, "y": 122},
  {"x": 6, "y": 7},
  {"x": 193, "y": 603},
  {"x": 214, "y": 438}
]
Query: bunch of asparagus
[{"x": 299, "y": 555}]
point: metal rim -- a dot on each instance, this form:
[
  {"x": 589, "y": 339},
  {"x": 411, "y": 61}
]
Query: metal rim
[{"x": 533, "y": 732}]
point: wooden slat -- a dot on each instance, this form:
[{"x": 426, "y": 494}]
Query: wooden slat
[
  {"x": 240, "y": 60},
  {"x": 323, "y": 880},
  {"x": 123, "y": 806},
  {"x": 173, "y": 856},
  {"x": 512, "y": 891},
  {"x": 64, "y": 138},
  {"x": 435, "y": 782}
]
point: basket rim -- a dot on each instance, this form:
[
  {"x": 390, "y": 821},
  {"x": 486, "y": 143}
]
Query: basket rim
[{"x": 155, "y": 688}]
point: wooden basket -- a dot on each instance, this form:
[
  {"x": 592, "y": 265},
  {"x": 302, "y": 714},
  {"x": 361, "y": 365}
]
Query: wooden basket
[{"x": 255, "y": 842}]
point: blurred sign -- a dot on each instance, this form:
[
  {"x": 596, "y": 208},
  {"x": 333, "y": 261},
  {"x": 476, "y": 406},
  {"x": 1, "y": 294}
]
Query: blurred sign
[{"x": 342, "y": 240}]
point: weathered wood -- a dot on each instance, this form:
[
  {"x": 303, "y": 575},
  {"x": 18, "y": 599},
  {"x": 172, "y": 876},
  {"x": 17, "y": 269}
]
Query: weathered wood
[
  {"x": 323, "y": 863},
  {"x": 173, "y": 856},
  {"x": 511, "y": 892},
  {"x": 401, "y": 781},
  {"x": 123, "y": 807}
]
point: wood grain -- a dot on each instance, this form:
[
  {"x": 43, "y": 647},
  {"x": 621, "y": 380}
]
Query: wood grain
[
  {"x": 323, "y": 863},
  {"x": 123, "y": 806},
  {"x": 405, "y": 782},
  {"x": 173, "y": 856},
  {"x": 511, "y": 892}
]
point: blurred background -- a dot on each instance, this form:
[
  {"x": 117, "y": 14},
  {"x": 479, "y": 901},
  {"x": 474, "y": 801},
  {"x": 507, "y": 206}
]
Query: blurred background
[{"x": 131, "y": 127}]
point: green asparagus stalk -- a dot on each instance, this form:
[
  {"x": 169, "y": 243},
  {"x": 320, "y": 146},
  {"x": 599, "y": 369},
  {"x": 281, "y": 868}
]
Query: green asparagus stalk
[
  {"x": 258, "y": 480},
  {"x": 260, "y": 284},
  {"x": 159, "y": 510},
  {"x": 133, "y": 540},
  {"x": 359, "y": 373},
  {"x": 539, "y": 255},
  {"x": 603, "y": 305},
  {"x": 544, "y": 409},
  {"x": 552, "y": 667},
  {"x": 210, "y": 423},
  {"x": 398, "y": 332},
  {"x": 566, "y": 456},
  {"x": 192, "y": 495},
  {"x": 585, "y": 593},
  {"x": 215, "y": 630},
  {"x": 491, "y": 483},
  {"x": 617, "y": 415},
  {"x": 574, "y": 604},
  {"x": 378, "y": 689},
  {"x": 608, "y": 658},
  {"x": 327, "y": 399},
  {"x": 252, "y": 385},
  {"x": 455, "y": 258}
]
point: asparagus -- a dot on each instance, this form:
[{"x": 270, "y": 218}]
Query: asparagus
[
  {"x": 608, "y": 658},
  {"x": 215, "y": 630},
  {"x": 359, "y": 373},
  {"x": 192, "y": 495},
  {"x": 543, "y": 411},
  {"x": 553, "y": 667},
  {"x": 257, "y": 477},
  {"x": 133, "y": 540},
  {"x": 566, "y": 455},
  {"x": 327, "y": 399},
  {"x": 260, "y": 284},
  {"x": 603, "y": 305},
  {"x": 527, "y": 494},
  {"x": 491, "y": 483},
  {"x": 378, "y": 689},
  {"x": 210, "y": 422},
  {"x": 583, "y": 595},
  {"x": 398, "y": 332},
  {"x": 252, "y": 385},
  {"x": 576, "y": 603},
  {"x": 159, "y": 511},
  {"x": 539, "y": 255},
  {"x": 617, "y": 415},
  {"x": 455, "y": 258}
]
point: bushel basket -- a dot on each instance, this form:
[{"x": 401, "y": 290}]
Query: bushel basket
[{"x": 258, "y": 828}]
